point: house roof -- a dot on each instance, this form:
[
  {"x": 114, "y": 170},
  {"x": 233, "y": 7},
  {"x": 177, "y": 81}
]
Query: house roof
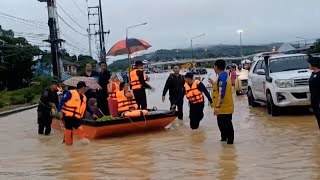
[{"x": 69, "y": 63}]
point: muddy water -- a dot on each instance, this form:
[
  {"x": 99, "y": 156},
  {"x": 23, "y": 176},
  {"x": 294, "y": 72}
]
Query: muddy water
[{"x": 287, "y": 147}]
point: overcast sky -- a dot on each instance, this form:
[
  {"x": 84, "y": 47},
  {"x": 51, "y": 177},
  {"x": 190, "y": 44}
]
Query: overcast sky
[{"x": 171, "y": 23}]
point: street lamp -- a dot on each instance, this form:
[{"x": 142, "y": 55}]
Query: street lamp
[
  {"x": 305, "y": 41},
  {"x": 127, "y": 31},
  {"x": 240, "y": 31},
  {"x": 192, "y": 42},
  {"x": 142, "y": 24}
]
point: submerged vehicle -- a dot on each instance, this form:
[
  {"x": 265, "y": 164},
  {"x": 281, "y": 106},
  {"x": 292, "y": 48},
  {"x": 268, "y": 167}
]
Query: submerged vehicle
[{"x": 93, "y": 129}]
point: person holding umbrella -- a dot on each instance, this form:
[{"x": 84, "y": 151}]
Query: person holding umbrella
[
  {"x": 72, "y": 108},
  {"x": 138, "y": 84},
  {"x": 314, "y": 85}
]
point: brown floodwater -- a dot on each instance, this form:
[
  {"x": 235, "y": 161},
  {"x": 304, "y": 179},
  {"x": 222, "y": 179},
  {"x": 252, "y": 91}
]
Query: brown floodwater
[{"x": 285, "y": 147}]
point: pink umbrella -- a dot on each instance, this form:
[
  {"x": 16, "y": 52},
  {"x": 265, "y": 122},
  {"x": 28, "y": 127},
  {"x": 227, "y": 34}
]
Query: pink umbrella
[{"x": 90, "y": 82}]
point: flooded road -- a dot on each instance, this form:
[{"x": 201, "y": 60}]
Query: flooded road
[{"x": 286, "y": 147}]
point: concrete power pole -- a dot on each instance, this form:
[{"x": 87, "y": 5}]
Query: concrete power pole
[
  {"x": 101, "y": 33},
  {"x": 53, "y": 38}
]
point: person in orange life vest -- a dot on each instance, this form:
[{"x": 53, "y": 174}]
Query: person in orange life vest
[
  {"x": 138, "y": 85},
  {"x": 193, "y": 90},
  {"x": 125, "y": 97},
  {"x": 72, "y": 108},
  {"x": 113, "y": 87}
]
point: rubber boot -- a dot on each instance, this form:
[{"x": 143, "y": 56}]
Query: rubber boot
[
  {"x": 82, "y": 137},
  {"x": 68, "y": 137}
]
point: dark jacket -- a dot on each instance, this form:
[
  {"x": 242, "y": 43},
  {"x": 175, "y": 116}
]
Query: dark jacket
[
  {"x": 142, "y": 81},
  {"x": 104, "y": 80},
  {"x": 48, "y": 96},
  {"x": 175, "y": 85}
]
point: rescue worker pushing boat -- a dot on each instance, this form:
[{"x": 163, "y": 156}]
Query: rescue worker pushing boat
[
  {"x": 193, "y": 90},
  {"x": 138, "y": 80},
  {"x": 72, "y": 108}
]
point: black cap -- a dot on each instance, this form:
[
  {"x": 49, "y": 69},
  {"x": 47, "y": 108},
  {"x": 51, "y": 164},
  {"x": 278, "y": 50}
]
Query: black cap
[
  {"x": 189, "y": 75},
  {"x": 314, "y": 60},
  {"x": 138, "y": 63},
  {"x": 81, "y": 84},
  {"x": 54, "y": 82}
]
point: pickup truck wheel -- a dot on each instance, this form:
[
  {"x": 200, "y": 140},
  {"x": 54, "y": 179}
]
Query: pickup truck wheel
[
  {"x": 251, "y": 100},
  {"x": 271, "y": 107}
]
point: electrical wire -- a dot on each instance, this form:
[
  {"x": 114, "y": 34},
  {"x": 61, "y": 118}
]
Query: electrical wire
[
  {"x": 71, "y": 26},
  {"x": 34, "y": 25},
  {"x": 79, "y": 8},
  {"x": 27, "y": 20},
  {"x": 70, "y": 17}
]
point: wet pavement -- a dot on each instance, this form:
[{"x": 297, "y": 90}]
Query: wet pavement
[{"x": 285, "y": 147}]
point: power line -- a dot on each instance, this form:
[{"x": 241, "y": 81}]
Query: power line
[
  {"x": 22, "y": 22},
  {"x": 70, "y": 26},
  {"x": 79, "y": 8},
  {"x": 27, "y": 20},
  {"x": 70, "y": 17}
]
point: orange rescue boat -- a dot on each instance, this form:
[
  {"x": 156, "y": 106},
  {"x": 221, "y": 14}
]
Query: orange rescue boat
[{"x": 155, "y": 120}]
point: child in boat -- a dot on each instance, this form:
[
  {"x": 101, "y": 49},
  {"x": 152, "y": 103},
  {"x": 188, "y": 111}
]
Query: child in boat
[
  {"x": 125, "y": 99},
  {"x": 92, "y": 103},
  {"x": 113, "y": 87}
]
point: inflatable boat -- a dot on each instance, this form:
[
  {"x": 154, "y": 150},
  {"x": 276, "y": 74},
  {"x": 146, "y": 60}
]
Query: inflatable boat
[{"x": 155, "y": 120}]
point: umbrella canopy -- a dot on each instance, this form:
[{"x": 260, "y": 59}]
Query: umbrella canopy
[
  {"x": 128, "y": 46},
  {"x": 90, "y": 82}
]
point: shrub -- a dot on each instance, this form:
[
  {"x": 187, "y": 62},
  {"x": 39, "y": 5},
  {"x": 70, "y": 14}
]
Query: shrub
[
  {"x": 28, "y": 96},
  {"x": 16, "y": 100}
]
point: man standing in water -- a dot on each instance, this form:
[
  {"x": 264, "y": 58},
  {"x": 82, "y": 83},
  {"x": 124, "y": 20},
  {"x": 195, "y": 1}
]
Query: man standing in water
[
  {"x": 193, "y": 90},
  {"x": 48, "y": 100},
  {"x": 72, "y": 108},
  {"x": 138, "y": 84},
  {"x": 223, "y": 101},
  {"x": 314, "y": 84},
  {"x": 94, "y": 74},
  {"x": 175, "y": 85},
  {"x": 103, "y": 95}
]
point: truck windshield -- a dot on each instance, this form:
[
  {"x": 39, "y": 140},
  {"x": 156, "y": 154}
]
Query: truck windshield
[{"x": 288, "y": 64}]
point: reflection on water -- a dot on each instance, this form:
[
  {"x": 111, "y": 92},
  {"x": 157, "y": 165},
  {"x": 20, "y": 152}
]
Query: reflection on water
[{"x": 285, "y": 147}]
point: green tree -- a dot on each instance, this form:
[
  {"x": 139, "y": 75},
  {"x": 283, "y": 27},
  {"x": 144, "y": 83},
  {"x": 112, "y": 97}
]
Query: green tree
[
  {"x": 16, "y": 60},
  {"x": 316, "y": 46}
]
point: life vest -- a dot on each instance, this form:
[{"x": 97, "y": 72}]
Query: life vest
[
  {"x": 228, "y": 104},
  {"x": 125, "y": 104},
  {"x": 192, "y": 93},
  {"x": 135, "y": 113},
  {"x": 74, "y": 107},
  {"x": 117, "y": 88},
  {"x": 134, "y": 79}
]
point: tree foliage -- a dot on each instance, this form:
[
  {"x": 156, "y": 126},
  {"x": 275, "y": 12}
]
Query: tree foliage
[{"x": 16, "y": 60}]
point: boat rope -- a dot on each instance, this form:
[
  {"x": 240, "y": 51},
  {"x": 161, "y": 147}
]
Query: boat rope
[{"x": 145, "y": 120}]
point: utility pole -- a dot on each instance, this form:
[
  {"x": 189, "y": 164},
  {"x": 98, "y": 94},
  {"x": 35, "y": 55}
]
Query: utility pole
[
  {"x": 97, "y": 11},
  {"x": 53, "y": 38},
  {"x": 89, "y": 38}
]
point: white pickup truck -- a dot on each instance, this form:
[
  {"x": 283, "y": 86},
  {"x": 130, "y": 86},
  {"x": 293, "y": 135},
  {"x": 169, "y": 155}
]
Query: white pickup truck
[{"x": 279, "y": 81}]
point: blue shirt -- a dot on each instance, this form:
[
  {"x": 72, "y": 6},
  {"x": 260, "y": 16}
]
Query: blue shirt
[
  {"x": 67, "y": 97},
  {"x": 222, "y": 83}
]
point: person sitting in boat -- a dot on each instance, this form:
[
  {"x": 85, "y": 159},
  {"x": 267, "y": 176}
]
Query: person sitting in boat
[
  {"x": 125, "y": 99},
  {"x": 113, "y": 88},
  {"x": 92, "y": 103}
]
